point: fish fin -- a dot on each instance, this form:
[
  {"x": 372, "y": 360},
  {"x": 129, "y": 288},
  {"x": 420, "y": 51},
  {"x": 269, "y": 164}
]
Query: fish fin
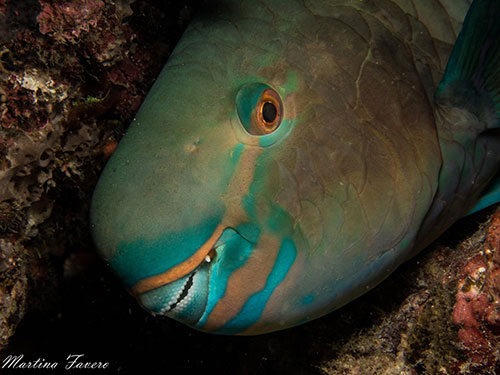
[
  {"x": 490, "y": 196},
  {"x": 472, "y": 76},
  {"x": 471, "y": 84}
]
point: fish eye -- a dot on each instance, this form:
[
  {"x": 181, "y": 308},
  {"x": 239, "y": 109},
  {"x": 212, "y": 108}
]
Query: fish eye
[
  {"x": 269, "y": 111},
  {"x": 260, "y": 108}
]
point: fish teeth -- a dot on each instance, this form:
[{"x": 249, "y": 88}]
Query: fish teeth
[
  {"x": 212, "y": 254},
  {"x": 183, "y": 294}
]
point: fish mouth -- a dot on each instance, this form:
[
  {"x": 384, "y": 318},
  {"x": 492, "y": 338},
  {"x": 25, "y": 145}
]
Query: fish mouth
[
  {"x": 200, "y": 256},
  {"x": 185, "y": 298},
  {"x": 191, "y": 279}
]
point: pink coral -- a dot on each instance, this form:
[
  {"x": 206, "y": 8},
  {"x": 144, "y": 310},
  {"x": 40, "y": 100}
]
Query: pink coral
[
  {"x": 66, "y": 20},
  {"x": 69, "y": 86},
  {"x": 18, "y": 109},
  {"x": 477, "y": 308}
]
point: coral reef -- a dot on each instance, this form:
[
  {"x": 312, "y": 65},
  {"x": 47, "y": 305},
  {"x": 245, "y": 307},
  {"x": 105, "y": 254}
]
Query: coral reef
[
  {"x": 477, "y": 308},
  {"x": 72, "y": 74},
  {"x": 67, "y": 20},
  {"x": 448, "y": 321}
]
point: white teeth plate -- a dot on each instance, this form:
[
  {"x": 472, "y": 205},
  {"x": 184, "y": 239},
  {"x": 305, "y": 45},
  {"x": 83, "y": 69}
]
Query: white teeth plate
[
  {"x": 178, "y": 299},
  {"x": 183, "y": 297}
]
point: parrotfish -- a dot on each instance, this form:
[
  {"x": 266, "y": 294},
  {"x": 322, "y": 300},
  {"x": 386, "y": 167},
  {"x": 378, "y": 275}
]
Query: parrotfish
[{"x": 293, "y": 153}]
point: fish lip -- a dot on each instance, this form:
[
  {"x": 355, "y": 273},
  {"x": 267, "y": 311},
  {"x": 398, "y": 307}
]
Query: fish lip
[
  {"x": 187, "y": 267},
  {"x": 182, "y": 269},
  {"x": 195, "y": 284},
  {"x": 220, "y": 247},
  {"x": 218, "y": 244},
  {"x": 203, "y": 270}
]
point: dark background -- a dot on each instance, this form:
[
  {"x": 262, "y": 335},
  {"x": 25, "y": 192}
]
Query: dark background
[{"x": 107, "y": 54}]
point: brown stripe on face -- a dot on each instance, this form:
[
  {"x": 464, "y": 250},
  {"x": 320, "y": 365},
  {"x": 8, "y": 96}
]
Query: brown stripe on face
[
  {"x": 239, "y": 186},
  {"x": 180, "y": 270},
  {"x": 282, "y": 301},
  {"x": 245, "y": 282}
]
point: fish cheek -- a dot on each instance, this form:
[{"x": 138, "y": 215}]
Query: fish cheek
[
  {"x": 242, "y": 284},
  {"x": 288, "y": 303}
]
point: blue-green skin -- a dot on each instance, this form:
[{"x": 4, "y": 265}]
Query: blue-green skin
[{"x": 365, "y": 170}]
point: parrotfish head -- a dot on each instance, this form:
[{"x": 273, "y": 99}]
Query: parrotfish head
[
  {"x": 185, "y": 211},
  {"x": 237, "y": 201}
]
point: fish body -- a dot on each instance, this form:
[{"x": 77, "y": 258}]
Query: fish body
[{"x": 292, "y": 154}]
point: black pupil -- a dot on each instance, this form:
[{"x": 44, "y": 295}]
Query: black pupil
[{"x": 269, "y": 112}]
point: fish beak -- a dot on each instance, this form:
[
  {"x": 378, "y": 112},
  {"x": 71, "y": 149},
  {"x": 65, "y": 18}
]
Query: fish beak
[
  {"x": 203, "y": 254},
  {"x": 186, "y": 298}
]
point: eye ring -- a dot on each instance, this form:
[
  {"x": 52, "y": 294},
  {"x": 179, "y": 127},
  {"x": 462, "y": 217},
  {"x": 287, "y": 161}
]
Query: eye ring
[
  {"x": 269, "y": 112},
  {"x": 260, "y": 111}
]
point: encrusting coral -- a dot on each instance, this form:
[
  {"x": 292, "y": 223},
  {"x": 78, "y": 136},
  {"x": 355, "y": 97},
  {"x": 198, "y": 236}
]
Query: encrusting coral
[{"x": 72, "y": 75}]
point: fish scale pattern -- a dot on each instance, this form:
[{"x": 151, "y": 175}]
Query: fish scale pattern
[
  {"x": 347, "y": 131},
  {"x": 341, "y": 189}
]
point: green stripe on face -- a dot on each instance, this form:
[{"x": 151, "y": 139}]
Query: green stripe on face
[
  {"x": 233, "y": 255},
  {"x": 171, "y": 248},
  {"x": 255, "y": 305},
  {"x": 159, "y": 254}
]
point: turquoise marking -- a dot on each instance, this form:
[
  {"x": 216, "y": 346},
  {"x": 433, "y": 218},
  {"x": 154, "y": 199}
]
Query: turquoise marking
[
  {"x": 491, "y": 196},
  {"x": 158, "y": 255},
  {"x": 474, "y": 58},
  {"x": 246, "y": 102},
  {"x": 151, "y": 208},
  {"x": 253, "y": 308},
  {"x": 267, "y": 60},
  {"x": 292, "y": 83},
  {"x": 405, "y": 242},
  {"x": 234, "y": 254},
  {"x": 236, "y": 154},
  {"x": 234, "y": 158},
  {"x": 279, "y": 134},
  {"x": 279, "y": 221},
  {"x": 472, "y": 78},
  {"x": 249, "y": 202},
  {"x": 137, "y": 260},
  {"x": 250, "y": 231},
  {"x": 307, "y": 299}
]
